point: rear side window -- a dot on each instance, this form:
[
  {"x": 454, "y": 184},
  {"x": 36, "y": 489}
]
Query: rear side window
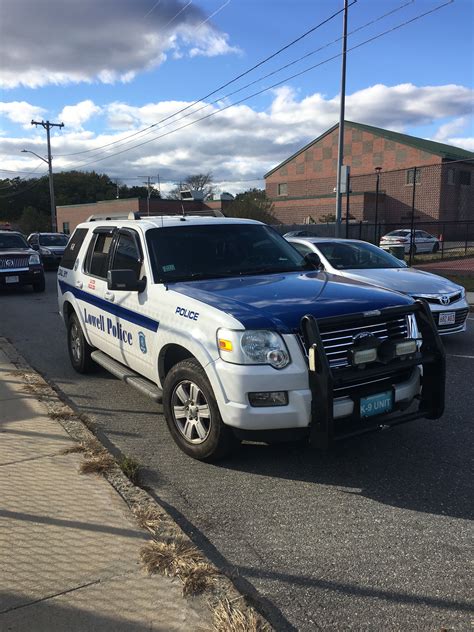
[
  {"x": 73, "y": 247},
  {"x": 98, "y": 255}
]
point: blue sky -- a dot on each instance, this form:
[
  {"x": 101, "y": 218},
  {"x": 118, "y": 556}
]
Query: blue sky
[{"x": 112, "y": 68}]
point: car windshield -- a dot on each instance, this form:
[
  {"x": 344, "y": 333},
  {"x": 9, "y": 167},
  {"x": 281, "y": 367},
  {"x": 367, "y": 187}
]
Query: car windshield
[
  {"x": 12, "y": 241},
  {"x": 186, "y": 253},
  {"x": 357, "y": 256},
  {"x": 53, "y": 240}
]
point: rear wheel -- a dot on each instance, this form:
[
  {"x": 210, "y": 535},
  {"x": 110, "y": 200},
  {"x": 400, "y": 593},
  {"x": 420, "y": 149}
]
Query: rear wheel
[
  {"x": 192, "y": 414},
  {"x": 78, "y": 347},
  {"x": 435, "y": 247}
]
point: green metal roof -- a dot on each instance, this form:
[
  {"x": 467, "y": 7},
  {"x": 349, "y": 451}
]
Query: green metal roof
[{"x": 429, "y": 146}]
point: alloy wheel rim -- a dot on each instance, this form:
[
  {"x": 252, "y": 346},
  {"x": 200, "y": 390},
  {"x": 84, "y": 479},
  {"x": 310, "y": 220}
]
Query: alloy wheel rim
[
  {"x": 191, "y": 412},
  {"x": 75, "y": 343}
]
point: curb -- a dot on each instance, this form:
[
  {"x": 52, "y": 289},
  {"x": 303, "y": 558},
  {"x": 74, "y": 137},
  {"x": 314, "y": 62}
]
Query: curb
[{"x": 137, "y": 499}]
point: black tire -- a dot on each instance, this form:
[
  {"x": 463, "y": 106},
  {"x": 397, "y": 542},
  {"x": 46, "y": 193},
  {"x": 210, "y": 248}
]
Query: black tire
[
  {"x": 192, "y": 414},
  {"x": 435, "y": 247},
  {"x": 39, "y": 286},
  {"x": 78, "y": 347}
]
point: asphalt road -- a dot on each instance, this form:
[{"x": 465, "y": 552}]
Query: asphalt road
[{"x": 373, "y": 536}]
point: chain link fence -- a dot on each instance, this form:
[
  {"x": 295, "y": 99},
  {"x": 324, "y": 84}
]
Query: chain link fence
[{"x": 430, "y": 208}]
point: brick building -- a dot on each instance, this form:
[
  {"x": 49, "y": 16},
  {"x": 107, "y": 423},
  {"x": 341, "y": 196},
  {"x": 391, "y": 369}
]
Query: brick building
[
  {"x": 302, "y": 187},
  {"x": 69, "y": 216}
]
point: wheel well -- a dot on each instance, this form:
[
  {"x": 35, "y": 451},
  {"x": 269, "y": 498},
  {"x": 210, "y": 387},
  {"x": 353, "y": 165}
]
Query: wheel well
[
  {"x": 169, "y": 356},
  {"x": 68, "y": 309}
]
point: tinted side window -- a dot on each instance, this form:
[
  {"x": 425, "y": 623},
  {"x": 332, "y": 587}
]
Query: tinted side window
[
  {"x": 73, "y": 247},
  {"x": 97, "y": 258},
  {"x": 127, "y": 256}
]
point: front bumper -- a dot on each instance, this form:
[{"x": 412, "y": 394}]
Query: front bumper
[
  {"x": 52, "y": 260},
  {"x": 331, "y": 395},
  {"x": 459, "y": 308},
  {"x": 24, "y": 276}
]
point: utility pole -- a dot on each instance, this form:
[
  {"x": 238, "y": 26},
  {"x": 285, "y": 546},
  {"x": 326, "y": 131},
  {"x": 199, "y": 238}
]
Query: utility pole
[
  {"x": 148, "y": 183},
  {"x": 47, "y": 126},
  {"x": 340, "y": 152}
]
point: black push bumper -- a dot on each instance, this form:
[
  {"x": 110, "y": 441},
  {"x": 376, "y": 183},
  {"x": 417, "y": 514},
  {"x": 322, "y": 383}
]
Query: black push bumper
[{"x": 324, "y": 381}]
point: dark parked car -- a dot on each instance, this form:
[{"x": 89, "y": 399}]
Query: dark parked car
[
  {"x": 19, "y": 264},
  {"x": 50, "y": 247}
]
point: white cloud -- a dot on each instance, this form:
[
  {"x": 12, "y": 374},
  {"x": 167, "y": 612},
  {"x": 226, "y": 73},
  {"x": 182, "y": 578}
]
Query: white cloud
[
  {"x": 86, "y": 41},
  {"x": 241, "y": 143},
  {"x": 21, "y": 112},
  {"x": 74, "y": 116}
]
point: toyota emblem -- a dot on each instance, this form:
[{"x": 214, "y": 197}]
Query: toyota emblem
[
  {"x": 444, "y": 300},
  {"x": 9, "y": 263}
]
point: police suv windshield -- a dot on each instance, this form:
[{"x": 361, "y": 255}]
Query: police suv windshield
[
  {"x": 11, "y": 240},
  {"x": 357, "y": 256},
  {"x": 187, "y": 253}
]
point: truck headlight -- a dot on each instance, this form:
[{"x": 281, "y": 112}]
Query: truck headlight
[
  {"x": 258, "y": 346},
  {"x": 34, "y": 260},
  {"x": 45, "y": 251}
]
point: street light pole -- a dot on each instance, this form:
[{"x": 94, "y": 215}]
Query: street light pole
[
  {"x": 378, "y": 170},
  {"x": 340, "y": 151},
  {"x": 47, "y": 126}
]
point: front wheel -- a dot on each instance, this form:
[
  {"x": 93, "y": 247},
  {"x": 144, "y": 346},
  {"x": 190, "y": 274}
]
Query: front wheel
[
  {"x": 192, "y": 414},
  {"x": 39, "y": 286},
  {"x": 78, "y": 347}
]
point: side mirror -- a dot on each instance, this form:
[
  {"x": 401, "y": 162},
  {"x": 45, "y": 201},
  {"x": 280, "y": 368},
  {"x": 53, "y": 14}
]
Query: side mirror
[
  {"x": 125, "y": 281},
  {"x": 314, "y": 261}
]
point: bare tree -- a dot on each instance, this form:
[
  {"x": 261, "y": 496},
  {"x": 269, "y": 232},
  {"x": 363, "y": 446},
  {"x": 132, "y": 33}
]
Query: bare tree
[{"x": 197, "y": 182}]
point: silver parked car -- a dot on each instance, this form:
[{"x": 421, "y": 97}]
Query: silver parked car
[
  {"x": 367, "y": 263},
  {"x": 422, "y": 241}
]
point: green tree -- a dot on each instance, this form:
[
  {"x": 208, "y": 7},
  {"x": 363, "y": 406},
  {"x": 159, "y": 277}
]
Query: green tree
[
  {"x": 197, "y": 182},
  {"x": 252, "y": 204},
  {"x": 32, "y": 221}
]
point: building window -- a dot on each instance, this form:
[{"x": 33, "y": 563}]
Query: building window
[
  {"x": 451, "y": 174},
  {"x": 465, "y": 177},
  {"x": 66, "y": 230},
  {"x": 411, "y": 175},
  {"x": 283, "y": 189}
]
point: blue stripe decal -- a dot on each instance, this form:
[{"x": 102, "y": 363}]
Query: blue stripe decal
[{"x": 116, "y": 310}]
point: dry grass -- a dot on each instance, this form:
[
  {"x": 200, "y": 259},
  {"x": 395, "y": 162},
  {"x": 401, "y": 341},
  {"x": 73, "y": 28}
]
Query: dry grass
[
  {"x": 62, "y": 415},
  {"x": 198, "y": 579},
  {"x": 131, "y": 468},
  {"x": 97, "y": 463},
  {"x": 229, "y": 617},
  {"x": 78, "y": 447},
  {"x": 148, "y": 518},
  {"x": 180, "y": 559}
]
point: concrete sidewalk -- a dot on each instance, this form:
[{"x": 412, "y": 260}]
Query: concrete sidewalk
[{"x": 69, "y": 547}]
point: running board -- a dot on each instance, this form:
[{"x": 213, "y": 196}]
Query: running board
[{"x": 131, "y": 378}]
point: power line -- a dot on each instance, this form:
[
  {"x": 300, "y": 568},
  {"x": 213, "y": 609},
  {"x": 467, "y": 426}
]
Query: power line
[
  {"x": 148, "y": 131},
  {"x": 275, "y": 85},
  {"x": 228, "y": 83}
]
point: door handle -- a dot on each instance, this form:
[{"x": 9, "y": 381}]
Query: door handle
[
  {"x": 79, "y": 284},
  {"x": 109, "y": 296}
]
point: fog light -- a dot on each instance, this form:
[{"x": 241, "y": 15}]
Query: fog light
[
  {"x": 406, "y": 347},
  {"x": 270, "y": 398},
  {"x": 364, "y": 356}
]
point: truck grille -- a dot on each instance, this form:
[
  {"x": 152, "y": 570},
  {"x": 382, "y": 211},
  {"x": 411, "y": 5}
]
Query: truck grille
[
  {"x": 338, "y": 341},
  {"x": 13, "y": 263}
]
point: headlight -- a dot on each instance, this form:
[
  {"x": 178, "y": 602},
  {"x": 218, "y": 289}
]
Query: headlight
[
  {"x": 463, "y": 292},
  {"x": 258, "y": 346},
  {"x": 34, "y": 260},
  {"x": 45, "y": 251}
]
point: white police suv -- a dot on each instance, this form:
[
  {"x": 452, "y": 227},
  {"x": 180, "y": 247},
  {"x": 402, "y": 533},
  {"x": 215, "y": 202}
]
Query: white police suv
[{"x": 240, "y": 336}]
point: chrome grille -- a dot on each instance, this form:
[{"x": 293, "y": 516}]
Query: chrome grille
[
  {"x": 16, "y": 262},
  {"x": 337, "y": 342}
]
